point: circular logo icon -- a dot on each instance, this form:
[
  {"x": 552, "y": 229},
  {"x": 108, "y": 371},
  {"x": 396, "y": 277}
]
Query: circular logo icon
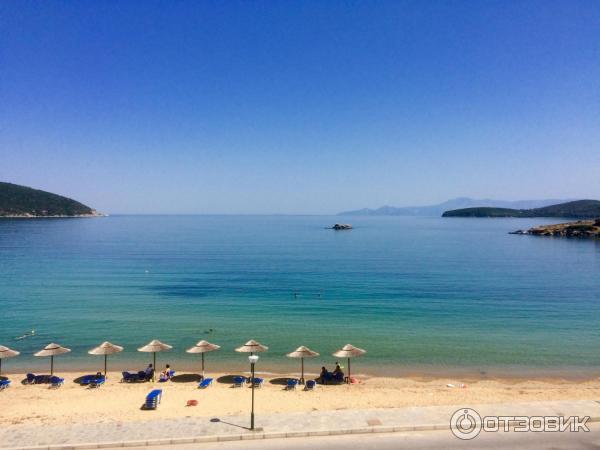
[{"x": 465, "y": 423}]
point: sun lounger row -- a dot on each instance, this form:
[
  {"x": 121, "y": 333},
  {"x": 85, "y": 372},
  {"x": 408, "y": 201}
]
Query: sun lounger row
[
  {"x": 129, "y": 377},
  {"x": 292, "y": 383},
  {"x": 240, "y": 381},
  {"x": 52, "y": 380},
  {"x": 93, "y": 381}
]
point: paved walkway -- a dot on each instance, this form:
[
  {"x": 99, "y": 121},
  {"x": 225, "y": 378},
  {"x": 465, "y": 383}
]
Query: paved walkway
[
  {"x": 413, "y": 440},
  {"x": 318, "y": 423}
]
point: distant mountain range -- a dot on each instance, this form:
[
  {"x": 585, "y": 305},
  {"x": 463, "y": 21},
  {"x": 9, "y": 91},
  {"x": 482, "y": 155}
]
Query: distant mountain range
[
  {"x": 455, "y": 203},
  {"x": 579, "y": 209},
  {"x": 23, "y": 201}
]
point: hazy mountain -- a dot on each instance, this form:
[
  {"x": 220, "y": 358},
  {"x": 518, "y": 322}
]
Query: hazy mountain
[
  {"x": 455, "y": 203},
  {"x": 580, "y": 209}
]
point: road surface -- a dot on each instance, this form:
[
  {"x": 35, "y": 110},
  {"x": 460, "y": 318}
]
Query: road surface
[{"x": 427, "y": 440}]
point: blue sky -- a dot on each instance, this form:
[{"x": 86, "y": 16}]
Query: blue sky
[{"x": 299, "y": 107}]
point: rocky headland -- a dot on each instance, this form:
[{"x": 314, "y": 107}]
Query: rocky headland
[{"x": 579, "y": 229}]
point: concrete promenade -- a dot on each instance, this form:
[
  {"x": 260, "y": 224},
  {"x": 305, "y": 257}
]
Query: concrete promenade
[{"x": 187, "y": 430}]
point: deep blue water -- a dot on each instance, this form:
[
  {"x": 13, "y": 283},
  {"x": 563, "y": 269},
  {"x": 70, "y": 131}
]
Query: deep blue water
[{"x": 419, "y": 294}]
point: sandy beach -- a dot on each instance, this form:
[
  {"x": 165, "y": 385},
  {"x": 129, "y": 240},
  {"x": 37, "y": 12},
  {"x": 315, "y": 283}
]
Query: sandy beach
[{"x": 121, "y": 402}]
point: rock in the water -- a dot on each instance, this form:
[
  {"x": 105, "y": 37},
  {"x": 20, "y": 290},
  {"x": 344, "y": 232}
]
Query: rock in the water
[{"x": 341, "y": 226}]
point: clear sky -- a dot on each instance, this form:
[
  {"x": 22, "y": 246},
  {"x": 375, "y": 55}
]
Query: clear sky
[{"x": 299, "y": 106}]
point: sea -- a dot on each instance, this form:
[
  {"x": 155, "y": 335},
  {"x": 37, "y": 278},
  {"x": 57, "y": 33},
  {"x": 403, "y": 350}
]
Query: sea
[{"x": 424, "y": 296}]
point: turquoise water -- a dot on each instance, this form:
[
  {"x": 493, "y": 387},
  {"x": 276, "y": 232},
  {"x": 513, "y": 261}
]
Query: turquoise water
[{"x": 419, "y": 294}]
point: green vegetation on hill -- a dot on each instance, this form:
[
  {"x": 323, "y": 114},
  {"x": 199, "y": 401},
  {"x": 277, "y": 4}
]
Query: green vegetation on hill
[
  {"x": 580, "y": 209},
  {"x": 22, "y": 201}
]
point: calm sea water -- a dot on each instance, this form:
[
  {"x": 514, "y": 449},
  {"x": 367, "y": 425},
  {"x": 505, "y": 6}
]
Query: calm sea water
[{"x": 419, "y": 294}]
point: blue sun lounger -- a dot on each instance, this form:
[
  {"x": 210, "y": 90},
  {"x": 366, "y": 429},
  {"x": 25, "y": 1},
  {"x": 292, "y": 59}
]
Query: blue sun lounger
[
  {"x": 88, "y": 379},
  {"x": 37, "y": 379},
  {"x": 310, "y": 385},
  {"x": 129, "y": 377},
  {"x": 4, "y": 384},
  {"x": 238, "y": 381},
  {"x": 153, "y": 399},
  {"x": 291, "y": 384},
  {"x": 56, "y": 382},
  {"x": 258, "y": 382},
  {"x": 97, "y": 382},
  {"x": 205, "y": 383}
]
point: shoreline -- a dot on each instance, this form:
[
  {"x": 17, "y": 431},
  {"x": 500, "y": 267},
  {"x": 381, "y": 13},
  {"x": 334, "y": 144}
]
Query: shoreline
[
  {"x": 360, "y": 373},
  {"x": 359, "y": 369}
]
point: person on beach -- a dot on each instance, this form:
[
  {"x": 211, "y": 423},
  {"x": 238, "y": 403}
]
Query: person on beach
[
  {"x": 338, "y": 373},
  {"x": 149, "y": 371},
  {"x": 323, "y": 376},
  {"x": 166, "y": 374}
]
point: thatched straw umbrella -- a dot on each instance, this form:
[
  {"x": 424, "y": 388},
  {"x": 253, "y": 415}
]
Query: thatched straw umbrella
[
  {"x": 203, "y": 347},
  {"x": 106, "y": 348},
  {"x": 349, "y": 351},
  {"x": 252, "y": 347},
  {"x": 302, "y": 352},
  {"x": 154, "y": 347},
  {"x": 52, "y": 350},
  {"x": 6, "y": 353}
]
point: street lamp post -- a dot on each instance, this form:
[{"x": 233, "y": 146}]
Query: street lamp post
[{"x": 253, "y": 359}]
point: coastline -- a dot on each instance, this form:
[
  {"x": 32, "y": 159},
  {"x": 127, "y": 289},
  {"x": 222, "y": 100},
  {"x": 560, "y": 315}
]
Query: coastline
[
  {"x": 365, "y": 371},
  {"x": 77, "y": 216},
  {"x": 272, "y": 364}
]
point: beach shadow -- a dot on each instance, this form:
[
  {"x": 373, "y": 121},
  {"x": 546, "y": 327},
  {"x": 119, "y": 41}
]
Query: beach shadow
[
  {"x": 40, "y": 379},
  {"x": 217, "y": 420},
  {"x": 228, "y": 379},
  {"x": 281, "y": 381},
  {"x": 187, "y": 378}
]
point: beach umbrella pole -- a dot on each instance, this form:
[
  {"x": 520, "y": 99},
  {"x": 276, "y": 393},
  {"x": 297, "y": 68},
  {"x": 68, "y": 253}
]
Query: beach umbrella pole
[
  {"x": 203, "y": 366},
  {"x": 154, "y": 366},
  {"x": 105, "y": 361},
  {"x": 348, "y": 370},
  {"x": 302, "y": 374},
  {"x": 51, "y": 365}
]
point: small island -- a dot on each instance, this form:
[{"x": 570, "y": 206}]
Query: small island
[
  {"x": 24, "y": 202},
  {"x": 341, "y": 226},
  {"x": 579, "y": 209},
  {"x": 581, "y": 228}
]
